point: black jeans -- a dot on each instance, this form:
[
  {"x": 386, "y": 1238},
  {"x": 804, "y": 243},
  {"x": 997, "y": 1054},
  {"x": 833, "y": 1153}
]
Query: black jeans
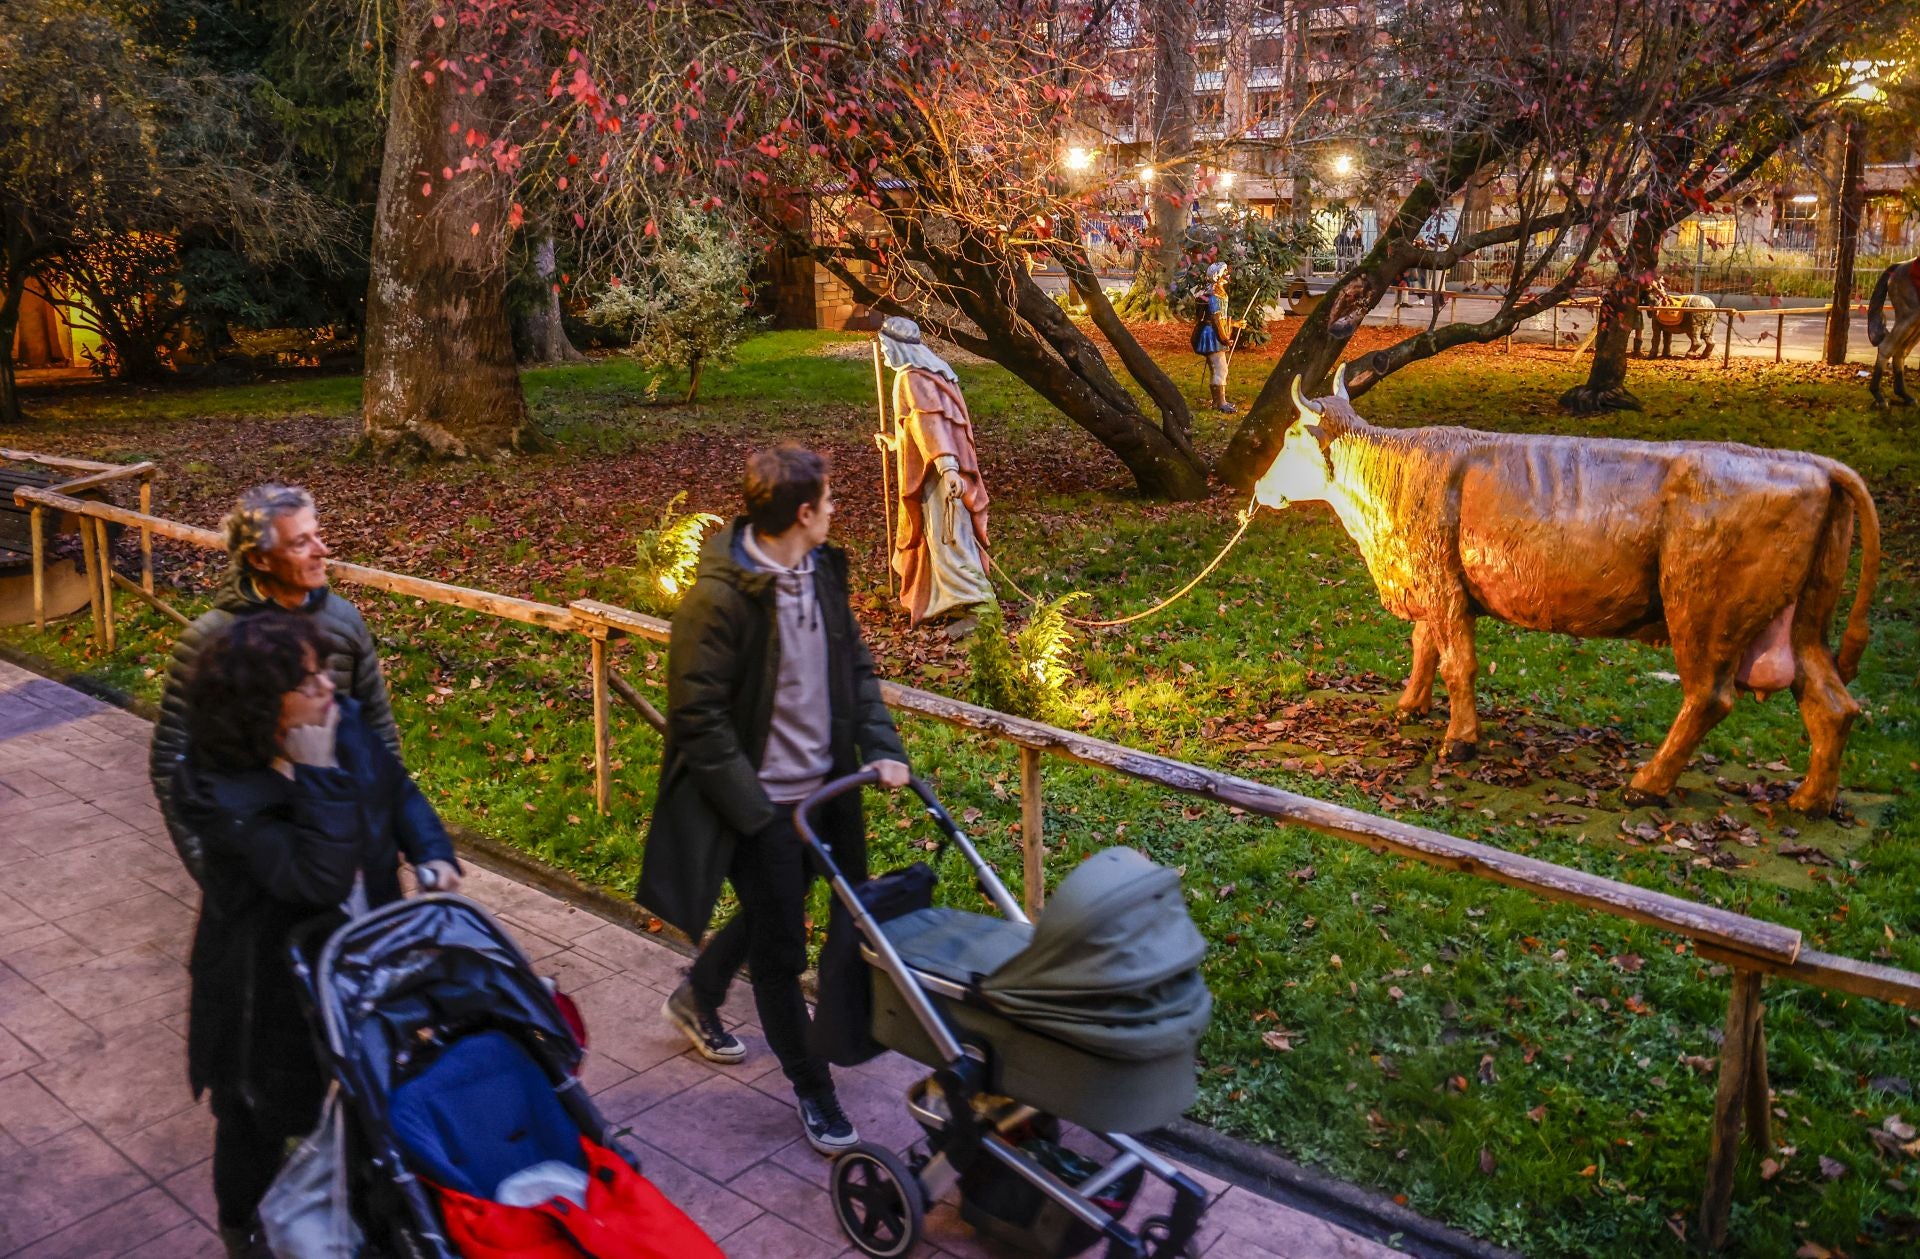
[
  {"x": 771, "y": 873},
  {"x": 251, "y": 1142}
]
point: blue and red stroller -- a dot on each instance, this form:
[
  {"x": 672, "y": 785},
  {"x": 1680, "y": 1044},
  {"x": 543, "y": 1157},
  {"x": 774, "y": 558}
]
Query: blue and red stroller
[{"x": 468, "y": 1132}]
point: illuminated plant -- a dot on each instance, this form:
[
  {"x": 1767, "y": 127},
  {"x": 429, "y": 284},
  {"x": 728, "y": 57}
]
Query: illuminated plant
[{"x": 668, "y": 555}]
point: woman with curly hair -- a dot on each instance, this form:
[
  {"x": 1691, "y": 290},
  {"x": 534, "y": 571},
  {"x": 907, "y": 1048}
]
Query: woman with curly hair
[{"x": 306, "y": 813}]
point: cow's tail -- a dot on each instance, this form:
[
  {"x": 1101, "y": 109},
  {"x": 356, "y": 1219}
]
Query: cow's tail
[
  {"x": 1854, "y": 642},
  {"x": 1876, "y": 322}
]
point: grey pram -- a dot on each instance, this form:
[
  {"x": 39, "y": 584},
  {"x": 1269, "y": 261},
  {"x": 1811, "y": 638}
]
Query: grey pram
[{"x": 1092, "y": 1016}]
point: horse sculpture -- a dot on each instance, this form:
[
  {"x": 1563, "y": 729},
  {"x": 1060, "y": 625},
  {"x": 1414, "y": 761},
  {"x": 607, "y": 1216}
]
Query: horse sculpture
[
  {"x": 1676, "y": 314},
  {"x": 1735, "y": 556},
  {"x": 1901, "y": 282}
]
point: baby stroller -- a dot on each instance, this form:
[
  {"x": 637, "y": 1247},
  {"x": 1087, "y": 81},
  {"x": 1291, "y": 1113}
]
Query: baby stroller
[
  {"x": 467, "y": 1130},
  {"x": 1090, "y": 1016}
]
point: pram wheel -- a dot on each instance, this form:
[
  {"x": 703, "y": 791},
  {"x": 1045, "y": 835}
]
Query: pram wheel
[{"x": 877, "y": 1201}]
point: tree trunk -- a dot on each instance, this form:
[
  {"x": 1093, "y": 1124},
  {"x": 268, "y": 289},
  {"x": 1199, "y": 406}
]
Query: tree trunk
[
  {"x": 546, "y": 331},
  {"x": 1606, "y": 387},
  {"x": 693, "y": 377},
  {"x": 1170, "y": 191},
  {"x": 10, "y": 298},
  {"x": 441, "y": 379}
]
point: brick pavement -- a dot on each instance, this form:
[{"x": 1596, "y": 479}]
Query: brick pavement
[{"x": 103, "y": 1152}]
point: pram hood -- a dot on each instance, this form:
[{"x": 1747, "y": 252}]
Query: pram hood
[
  {"x": 1113, "y": 965},
  {"x": 427, "y": 961}
]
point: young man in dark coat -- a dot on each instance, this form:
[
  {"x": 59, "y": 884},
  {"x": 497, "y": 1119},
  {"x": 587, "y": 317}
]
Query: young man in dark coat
[
  {"x": 770, "y": 693},
  {"x": 276, "y": 562}
]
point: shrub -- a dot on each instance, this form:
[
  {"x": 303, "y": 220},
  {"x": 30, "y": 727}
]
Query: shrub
[{"x": 687, "y": 304}]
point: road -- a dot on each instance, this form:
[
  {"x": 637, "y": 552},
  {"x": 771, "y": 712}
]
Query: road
[{"x": 1802, "y": 337}]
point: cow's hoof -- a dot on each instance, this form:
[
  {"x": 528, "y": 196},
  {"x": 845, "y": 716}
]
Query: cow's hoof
[
  {"x": 1454, "y": 751},
  {"x": 1638, "y": 797},
  {"x": 1813, "y": 805}
]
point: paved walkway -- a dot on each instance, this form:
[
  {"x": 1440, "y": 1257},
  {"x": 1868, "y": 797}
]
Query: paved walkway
[{"x": 103, "y": 1152}]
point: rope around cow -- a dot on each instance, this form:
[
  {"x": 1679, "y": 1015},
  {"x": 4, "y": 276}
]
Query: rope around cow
[{"x": 1246, "y": 518}]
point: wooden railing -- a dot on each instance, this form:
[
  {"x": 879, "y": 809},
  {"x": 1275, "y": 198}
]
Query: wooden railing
[
  {"x": 93, "y": 535},
  {"x": 1752, "y": 948}
]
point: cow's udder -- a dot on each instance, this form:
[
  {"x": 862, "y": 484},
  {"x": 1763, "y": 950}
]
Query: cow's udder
[{"x": 1768, "y": 665}]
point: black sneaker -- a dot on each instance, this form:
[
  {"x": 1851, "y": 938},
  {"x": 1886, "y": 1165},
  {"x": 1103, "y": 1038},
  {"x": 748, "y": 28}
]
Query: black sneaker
[
  {"x": 703, "y": 1027},
  {"x": 828, "y": 1128}
]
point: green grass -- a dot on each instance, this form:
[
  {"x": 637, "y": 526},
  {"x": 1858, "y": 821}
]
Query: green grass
[{"x": 1441, "y": 1026}]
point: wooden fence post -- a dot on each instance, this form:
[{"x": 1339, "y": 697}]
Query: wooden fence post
[
  {"x": 1779, "y": 335},
  {"x": 602, "y": 771},
  {"x": 146, "y": 534},
  {"x": 104, "y": 549},
  {"x": 1033, "y": 840},
  {"x": 1741, "y": 1095},
  {"x": 1726, "y": 358},
  {"x": 38, "y": 524},
  {"x": 90, "y": 565}
]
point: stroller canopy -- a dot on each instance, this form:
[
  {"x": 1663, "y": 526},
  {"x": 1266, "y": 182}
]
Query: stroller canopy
[{"x": 1113, "y": 966}]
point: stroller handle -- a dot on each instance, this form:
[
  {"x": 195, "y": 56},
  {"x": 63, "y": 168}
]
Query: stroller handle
[{"x": 984, "y": 875}]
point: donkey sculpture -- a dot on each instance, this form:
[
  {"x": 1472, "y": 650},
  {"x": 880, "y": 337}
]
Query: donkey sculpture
[
  {"x": 1901, "y": 282},
  {"x": 1735, "y": 556},
  {"x": 1676, "y": 314}
]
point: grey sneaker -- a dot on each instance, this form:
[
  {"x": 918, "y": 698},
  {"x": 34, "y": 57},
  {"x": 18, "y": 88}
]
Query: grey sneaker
[
  {"x": 827, "y": 1126},
  {"x": 703, "y": 1027}
]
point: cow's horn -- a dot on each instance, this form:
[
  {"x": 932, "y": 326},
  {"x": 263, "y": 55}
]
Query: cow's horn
[
  {"x": 1340, "y": 383},
  {"x": 1301, "y": 401}
]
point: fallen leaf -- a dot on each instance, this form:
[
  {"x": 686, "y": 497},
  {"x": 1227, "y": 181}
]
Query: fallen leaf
[
  {"x": 1395, "y": 993},
  {"x": 1899, "y": 1127},
  {"x": 1279, "y": 1040},
  {"x": 1769, "y": 1168},
  {"x": 1812, "y": 1250},
  {"x": 1487, "y": 1165},
  {"x": 1832, "y": 1168},
  {"x": 1538, "y": 1114},
  {"x": 1629, "y": 962}
]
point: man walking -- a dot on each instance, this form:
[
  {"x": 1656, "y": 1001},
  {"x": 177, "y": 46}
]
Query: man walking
[
  {"x": 276, "y": 559},
  {"x": 770, "y": 691}
]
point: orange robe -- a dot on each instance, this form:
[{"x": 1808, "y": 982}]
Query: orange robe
[{"x": 931, "y": 420}]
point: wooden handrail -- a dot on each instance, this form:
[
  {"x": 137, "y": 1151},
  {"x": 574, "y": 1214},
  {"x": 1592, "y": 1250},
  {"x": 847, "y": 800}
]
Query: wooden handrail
[
  {"x": 59, "y": 461},
  {"x": 94, "y": 480}
]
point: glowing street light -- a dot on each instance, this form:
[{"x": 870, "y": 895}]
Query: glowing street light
[
  {"x": 1226, "y": 179},
  {"x": 1343, "y": 164},
  {"x": 1077, "y": 158},
  {"x": 1146, "y": 174}
]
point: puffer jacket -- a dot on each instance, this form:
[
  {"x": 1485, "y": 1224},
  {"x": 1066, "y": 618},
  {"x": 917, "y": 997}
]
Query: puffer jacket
[
  {"x": 352, "y": 659},
  {"x": 280, "y": 852},
  {"x": 723, "y": 668}
]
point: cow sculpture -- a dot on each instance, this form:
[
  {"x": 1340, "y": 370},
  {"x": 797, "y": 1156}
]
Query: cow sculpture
[
  {"x": 1732, "y": 554},
  {"x": 1901, "y": 282}
]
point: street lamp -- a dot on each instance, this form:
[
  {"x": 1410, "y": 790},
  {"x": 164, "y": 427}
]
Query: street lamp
[
  {"x": 1146, "y": 174},
  {"x": 1343, "y": 164},
  {"x": 1862, "y": 92},
  {"x": 1077, "y": 159}
]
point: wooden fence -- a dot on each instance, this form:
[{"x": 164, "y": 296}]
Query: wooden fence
[{"x": 1752, "y": 948}]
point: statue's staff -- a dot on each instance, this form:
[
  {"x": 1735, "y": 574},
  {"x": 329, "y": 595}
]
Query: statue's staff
[
  {"x": 1242, "y": 321},
  {"x": 883, "y": 439}
]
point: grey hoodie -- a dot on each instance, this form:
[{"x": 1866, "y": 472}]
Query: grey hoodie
[{"x": 799, "y": 752}]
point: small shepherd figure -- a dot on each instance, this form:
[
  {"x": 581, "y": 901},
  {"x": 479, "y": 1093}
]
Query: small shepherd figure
[{"x": 940, "y": 536}]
